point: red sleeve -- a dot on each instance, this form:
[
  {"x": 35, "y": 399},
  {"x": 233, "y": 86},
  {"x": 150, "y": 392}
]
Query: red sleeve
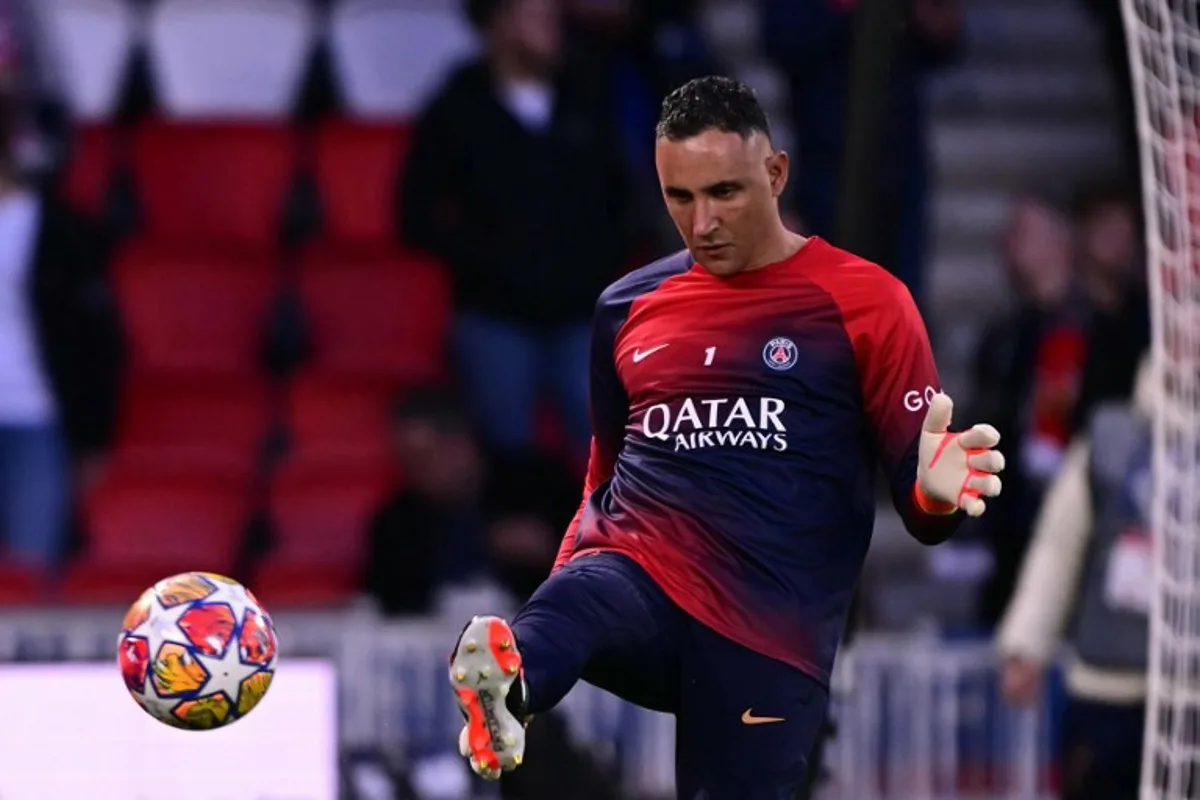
[
  {"x": 897, "y": 375},
  {"x": 600, "y": 467},
  {"x": 609, "y": 406}
]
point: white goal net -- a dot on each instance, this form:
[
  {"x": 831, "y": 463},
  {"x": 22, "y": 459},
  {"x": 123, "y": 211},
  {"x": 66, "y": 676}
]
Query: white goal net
[{"x": 1164, "y": 53}]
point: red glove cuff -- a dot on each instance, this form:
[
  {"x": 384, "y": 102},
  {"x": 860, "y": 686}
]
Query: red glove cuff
[{"x": 930, "y": 506}]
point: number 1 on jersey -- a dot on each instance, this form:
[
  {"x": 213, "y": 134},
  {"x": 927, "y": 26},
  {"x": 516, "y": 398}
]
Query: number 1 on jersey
[{"x": 709, "y": 354}]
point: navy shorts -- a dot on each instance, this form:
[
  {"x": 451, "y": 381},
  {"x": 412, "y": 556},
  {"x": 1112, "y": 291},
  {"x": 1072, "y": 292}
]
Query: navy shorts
[{"x": 745, "y": 723}]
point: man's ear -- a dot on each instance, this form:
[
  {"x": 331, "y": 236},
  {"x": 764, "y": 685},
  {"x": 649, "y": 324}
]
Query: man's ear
[{"x": 778, "y": 165}]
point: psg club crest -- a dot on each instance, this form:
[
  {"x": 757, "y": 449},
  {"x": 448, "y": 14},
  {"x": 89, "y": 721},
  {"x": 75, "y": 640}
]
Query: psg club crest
[{"x": 780, "y": 353}]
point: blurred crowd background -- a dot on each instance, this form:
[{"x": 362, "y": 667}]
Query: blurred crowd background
[{"x": 298, "y": 290}]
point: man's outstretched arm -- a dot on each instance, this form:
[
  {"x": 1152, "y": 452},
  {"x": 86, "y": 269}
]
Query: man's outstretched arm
[{"x": 933, "y": 472}]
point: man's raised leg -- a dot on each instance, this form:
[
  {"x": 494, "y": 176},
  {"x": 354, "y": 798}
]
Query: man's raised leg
[{"x": 599, "y": 618}]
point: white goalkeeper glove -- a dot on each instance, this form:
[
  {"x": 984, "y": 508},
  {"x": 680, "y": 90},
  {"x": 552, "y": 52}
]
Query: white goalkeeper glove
[{"x": 956, "y": 470}]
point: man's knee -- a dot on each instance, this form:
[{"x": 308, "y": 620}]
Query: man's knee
[{"x": 594, "y": 610}]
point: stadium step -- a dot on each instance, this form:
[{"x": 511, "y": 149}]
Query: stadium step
[
  {"x": 1024, "y": 89},
  {"x": 1009, "y": 152},
  {"x": 971, "y": 216},
  {"x": 1050, "y": 32}
]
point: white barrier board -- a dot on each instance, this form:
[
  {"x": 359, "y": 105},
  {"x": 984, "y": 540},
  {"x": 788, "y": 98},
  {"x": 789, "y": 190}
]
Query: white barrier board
[{"x": 72, "y": 730}]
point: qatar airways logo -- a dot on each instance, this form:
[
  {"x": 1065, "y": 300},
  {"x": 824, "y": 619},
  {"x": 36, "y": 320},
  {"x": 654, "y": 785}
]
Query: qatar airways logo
[{"x": 754, "y": 423}]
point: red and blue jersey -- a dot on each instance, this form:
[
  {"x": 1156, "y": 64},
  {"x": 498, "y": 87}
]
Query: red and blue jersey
[{"x": 739, "y": 424}]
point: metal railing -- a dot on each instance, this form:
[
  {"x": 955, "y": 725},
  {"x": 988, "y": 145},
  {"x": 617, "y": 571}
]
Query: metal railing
[{"x": 916, "y": 718}]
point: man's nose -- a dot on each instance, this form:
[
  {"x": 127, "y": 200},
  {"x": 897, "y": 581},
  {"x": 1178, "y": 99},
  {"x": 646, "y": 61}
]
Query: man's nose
[{"x": 704, "y": 220}]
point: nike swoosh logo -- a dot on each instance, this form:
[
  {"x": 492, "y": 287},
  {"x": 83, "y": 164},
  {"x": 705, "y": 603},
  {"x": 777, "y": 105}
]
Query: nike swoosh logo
[
  {"x": 642, "y": 355},
  {"x": 750, "y": 719}
]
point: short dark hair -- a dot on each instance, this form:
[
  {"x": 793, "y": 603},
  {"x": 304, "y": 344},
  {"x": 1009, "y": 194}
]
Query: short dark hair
[
  {"x": 711, "y": 103},
  {"x": 1101, "y": 194}
]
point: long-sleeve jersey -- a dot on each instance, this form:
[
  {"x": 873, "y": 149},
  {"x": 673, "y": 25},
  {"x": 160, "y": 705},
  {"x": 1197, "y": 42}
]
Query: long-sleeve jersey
[{"x": 738, "y": 425}]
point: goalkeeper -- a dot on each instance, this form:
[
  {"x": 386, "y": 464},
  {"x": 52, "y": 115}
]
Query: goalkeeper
[{"x": 744, "y": 392}]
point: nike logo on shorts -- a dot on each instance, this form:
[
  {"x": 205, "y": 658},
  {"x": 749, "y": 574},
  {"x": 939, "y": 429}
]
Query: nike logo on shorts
[{"x": 750, "y": 719}]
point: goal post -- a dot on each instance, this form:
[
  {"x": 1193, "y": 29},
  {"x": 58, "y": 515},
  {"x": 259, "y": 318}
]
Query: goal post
[{"x": 1163, "y": 39}]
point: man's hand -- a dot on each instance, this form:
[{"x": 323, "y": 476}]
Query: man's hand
[
  {"x": 1020, "y": 681},
  {"x": 956, "y": 470}
]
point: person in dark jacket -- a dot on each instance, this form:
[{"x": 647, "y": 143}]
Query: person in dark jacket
[
  {"x": 1112, "y": 277},
  {"x": 516, "y": 181},
  {"x": 1027, "y": 374},
  {"x": 430, "y": 532},
  {"x": 59, "y": 353}
]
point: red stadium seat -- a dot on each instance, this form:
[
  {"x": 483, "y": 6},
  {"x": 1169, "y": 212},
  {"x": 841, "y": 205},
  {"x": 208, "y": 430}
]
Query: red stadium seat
[
  {"x": 377, "y": 316},
  {"x": 283, "y": 584},
  {"x": 321, "y": 514},
  {"x": 143, "y": 525},
  {"x": 214, "y": 181},
  {"x": 339, "y": 420},
  {"x": 356, "y": 166},
  {"x": 204, "y": 423},
  {"x": 193, "y": 310},
  {"x": 89, "y": 172},
  {"x": 99, "y": 582},
  {"x": 19, "y": 585},
  {"x": 137, "y": 517}
]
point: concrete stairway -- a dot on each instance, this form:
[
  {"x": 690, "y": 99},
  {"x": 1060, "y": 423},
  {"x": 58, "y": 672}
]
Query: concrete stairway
[{"x": 1027, "y": 109}]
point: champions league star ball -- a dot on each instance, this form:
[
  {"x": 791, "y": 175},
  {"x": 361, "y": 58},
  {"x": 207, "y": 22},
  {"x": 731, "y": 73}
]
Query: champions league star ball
[{"x": 197, "y": 651}]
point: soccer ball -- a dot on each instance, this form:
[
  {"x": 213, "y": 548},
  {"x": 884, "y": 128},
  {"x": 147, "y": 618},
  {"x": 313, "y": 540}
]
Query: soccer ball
[{"x": 197, "y": 651}]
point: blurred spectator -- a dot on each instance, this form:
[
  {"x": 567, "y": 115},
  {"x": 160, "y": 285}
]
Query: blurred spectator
[
  {"x": 515, "y": 179},
  {"x": 430, "y": 532},
  {"x": 662, "y": 37},
  {"x": 530, "y": 502},
  {"x": 1026, "y": 382},
  {"x": 29, "y": 77},
  {"x": 1090, "y": 559},
  {"x": 460, "y": 516},
  {"x": 58, "y": 351},
  {"x": 653, "y": 46},
  {"x": 1113, "y": 282},
  {"x": 811, "y": 42}
]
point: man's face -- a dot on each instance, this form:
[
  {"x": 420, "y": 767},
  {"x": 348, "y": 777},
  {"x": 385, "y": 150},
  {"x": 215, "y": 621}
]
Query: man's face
[
  {"x": 533, "y": 30},
  {"x": 439, "y": 462},
  {"x": 722, "y": 192},
  {"x": 1038, "y": 252}
]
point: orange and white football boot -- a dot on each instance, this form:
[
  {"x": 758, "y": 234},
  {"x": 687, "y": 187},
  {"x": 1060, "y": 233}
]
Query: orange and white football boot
[{"x": 489, "y": 683}]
